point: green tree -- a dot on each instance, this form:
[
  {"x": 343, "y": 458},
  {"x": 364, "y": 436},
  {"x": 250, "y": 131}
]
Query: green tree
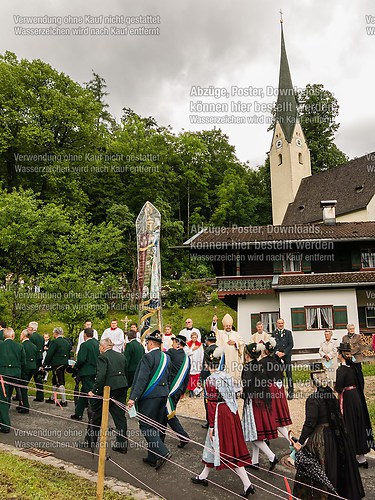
[{"x": 318, "y": 110}]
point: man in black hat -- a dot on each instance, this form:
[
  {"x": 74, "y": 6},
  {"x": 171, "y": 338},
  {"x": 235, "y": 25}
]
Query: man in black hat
[
  {"x": 205, "y": 373},
  {"x": 178, "y": 382},
  {"x": 149, "y": 393}
]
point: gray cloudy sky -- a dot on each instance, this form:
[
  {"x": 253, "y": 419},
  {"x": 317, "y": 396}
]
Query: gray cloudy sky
[{"x": 215, "y": 42}]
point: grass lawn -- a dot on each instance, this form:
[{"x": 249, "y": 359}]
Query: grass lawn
[{"x": 22, "y": 479}]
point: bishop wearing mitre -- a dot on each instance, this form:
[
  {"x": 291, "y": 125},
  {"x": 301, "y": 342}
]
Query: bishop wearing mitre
[{"x": 233, "y": 345}]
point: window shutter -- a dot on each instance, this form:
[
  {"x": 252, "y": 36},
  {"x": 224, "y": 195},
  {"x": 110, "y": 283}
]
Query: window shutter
[
  {"x": 255, "y": 317},
  {"x": 306, "y": 266},
  {"x": 298, "y": 319},
  {"x": 278, "y": 265},
  {"x": 362, "y": 317},
  {"x": 340, "y": 317},
  {"x": 356, "y": 260}
]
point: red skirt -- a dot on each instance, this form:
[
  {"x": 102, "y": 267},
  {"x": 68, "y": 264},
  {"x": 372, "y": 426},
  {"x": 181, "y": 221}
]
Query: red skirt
[
  {"x": 233, "y": 449},
  {"x": 279, "y": 406},
  {"x": 193, "y": 382},
  {"x": 264, "y": 422}
]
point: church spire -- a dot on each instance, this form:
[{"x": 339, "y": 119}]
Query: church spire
[{"x": 286, "y": 109}]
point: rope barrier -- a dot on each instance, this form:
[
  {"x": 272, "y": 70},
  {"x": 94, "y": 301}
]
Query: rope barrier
[{"x": 164, "y": 429}]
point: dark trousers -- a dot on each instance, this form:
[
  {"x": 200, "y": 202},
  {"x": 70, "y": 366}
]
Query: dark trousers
[
  {"x": 38, "y": 379},
  {"x": 4, "y": 406},
  {"x": 117, "y": 414},
  {"x": 26, "y": 377},
  {"x": 58, "y": 375},
  {"x": 174, "y": 423},
  {"x": 358, "y": 367},
  {"x": 289, "y": 376},
  {"x": 82, "y": 401},
  {"x": 153, "y": 408}
]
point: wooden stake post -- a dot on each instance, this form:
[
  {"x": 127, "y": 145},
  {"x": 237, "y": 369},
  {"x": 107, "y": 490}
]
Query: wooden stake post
[{"x": 103, "y": 443}]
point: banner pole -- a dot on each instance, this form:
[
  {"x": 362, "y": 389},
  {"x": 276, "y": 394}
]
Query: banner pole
[{"x": 103, "y": 443}]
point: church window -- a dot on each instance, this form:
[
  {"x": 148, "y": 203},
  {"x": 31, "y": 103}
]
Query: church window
[
  {"x": 300, "y": 158},
  {"x": 280, "y": 159}
]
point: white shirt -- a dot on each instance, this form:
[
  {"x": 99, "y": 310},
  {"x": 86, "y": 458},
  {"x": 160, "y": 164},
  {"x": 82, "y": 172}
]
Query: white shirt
[
  {"x": 82, "y": 339},
  {"x": 187, "y": 333},
  {"x": 117, "y": 337}
]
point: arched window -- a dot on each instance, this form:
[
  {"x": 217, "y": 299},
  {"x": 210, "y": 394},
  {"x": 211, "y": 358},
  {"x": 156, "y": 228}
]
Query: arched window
[
  {"x": 300, "y": 158},
  {"x": 280, "y": 159}
]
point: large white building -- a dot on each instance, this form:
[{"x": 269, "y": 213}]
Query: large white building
[{"x": 315, "y": 266}]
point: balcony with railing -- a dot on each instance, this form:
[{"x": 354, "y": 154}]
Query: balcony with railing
[{"x": 244, "y": 285}]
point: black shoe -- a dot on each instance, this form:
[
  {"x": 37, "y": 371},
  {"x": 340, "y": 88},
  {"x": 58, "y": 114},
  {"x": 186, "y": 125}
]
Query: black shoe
[
  {"x": 120, "y": 449},
  {"x": 182, "y": 444},
  {"x": 250, "y": 490},
  {"x": 196, "y": 480},
  {"x": 21, "y": 409},
  {"x": 204, "y": 426},
  {"x": 252, "y": 466},
  {"x": 64, "y": 404},
  {"x": 76, "y": 417},
  {"x": 50, "y": 401},
  {"x": 149, "y": 462},
  {"x": 363, "y": 464},
  {"x": 162, "y": 460},
  {"x": 273, "y": 463}
]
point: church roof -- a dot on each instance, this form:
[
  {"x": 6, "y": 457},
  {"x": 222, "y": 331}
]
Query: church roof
[
  {"x": 351, "y": 184},
  {"x": 286, "y": 108}
]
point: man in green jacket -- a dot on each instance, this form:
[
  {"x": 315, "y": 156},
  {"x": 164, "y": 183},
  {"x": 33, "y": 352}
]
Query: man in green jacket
[
  {"x": 110, "y": 370},
  {"x": 12, "y": 362},
  {"x": 133, "y": 353},
  {"x": 86, "y": 369},
  {"x": 57, "y": 358},
  {"x": 37, "y": 340},
  {"x": 31, "y": 353}
]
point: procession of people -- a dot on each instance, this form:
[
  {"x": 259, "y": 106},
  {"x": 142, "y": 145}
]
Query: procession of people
[{"x": 335, "y": 437}]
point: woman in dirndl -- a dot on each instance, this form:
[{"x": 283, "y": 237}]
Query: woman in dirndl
[
  {"x": 353, "y": 405},
  {"x": 258, "y": 423},
  {"x": 225, "y": 445},
  {"x": 331, "y": 466},
  {"x": 279, "y": 403}
]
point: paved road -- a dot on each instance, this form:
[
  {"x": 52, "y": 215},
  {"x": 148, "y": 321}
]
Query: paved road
[{"x": 172, "y": 482}]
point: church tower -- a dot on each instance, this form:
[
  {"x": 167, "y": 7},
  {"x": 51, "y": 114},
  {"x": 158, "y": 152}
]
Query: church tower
[{"x": 289, "y": 154}]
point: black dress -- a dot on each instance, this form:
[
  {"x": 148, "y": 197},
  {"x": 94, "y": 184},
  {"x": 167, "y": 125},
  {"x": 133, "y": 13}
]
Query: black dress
[
  {"x": 329, "y": 444},
  {"x": 354, "y": 409}
]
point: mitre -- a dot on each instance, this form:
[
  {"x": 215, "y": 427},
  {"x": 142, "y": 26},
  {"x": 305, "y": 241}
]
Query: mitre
[{"x": 227, "y": 320}]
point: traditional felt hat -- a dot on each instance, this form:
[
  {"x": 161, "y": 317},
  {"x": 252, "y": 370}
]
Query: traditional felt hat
[
  {"x": 317, "y": 368},
  {"x": 181, "y": 339},
  {"x": 211, "y": 336},
  {"x": 213, "y": 356},
  {"x": 270, "y": 345},
  {"x": 344, "y": 346},
  {"x": 155, "y": 336},
  {"x": 253, "y": 350}
]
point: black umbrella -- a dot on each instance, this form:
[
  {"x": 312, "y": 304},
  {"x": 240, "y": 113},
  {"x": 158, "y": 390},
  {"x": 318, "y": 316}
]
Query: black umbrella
[{"x": 308, "y": 466}]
